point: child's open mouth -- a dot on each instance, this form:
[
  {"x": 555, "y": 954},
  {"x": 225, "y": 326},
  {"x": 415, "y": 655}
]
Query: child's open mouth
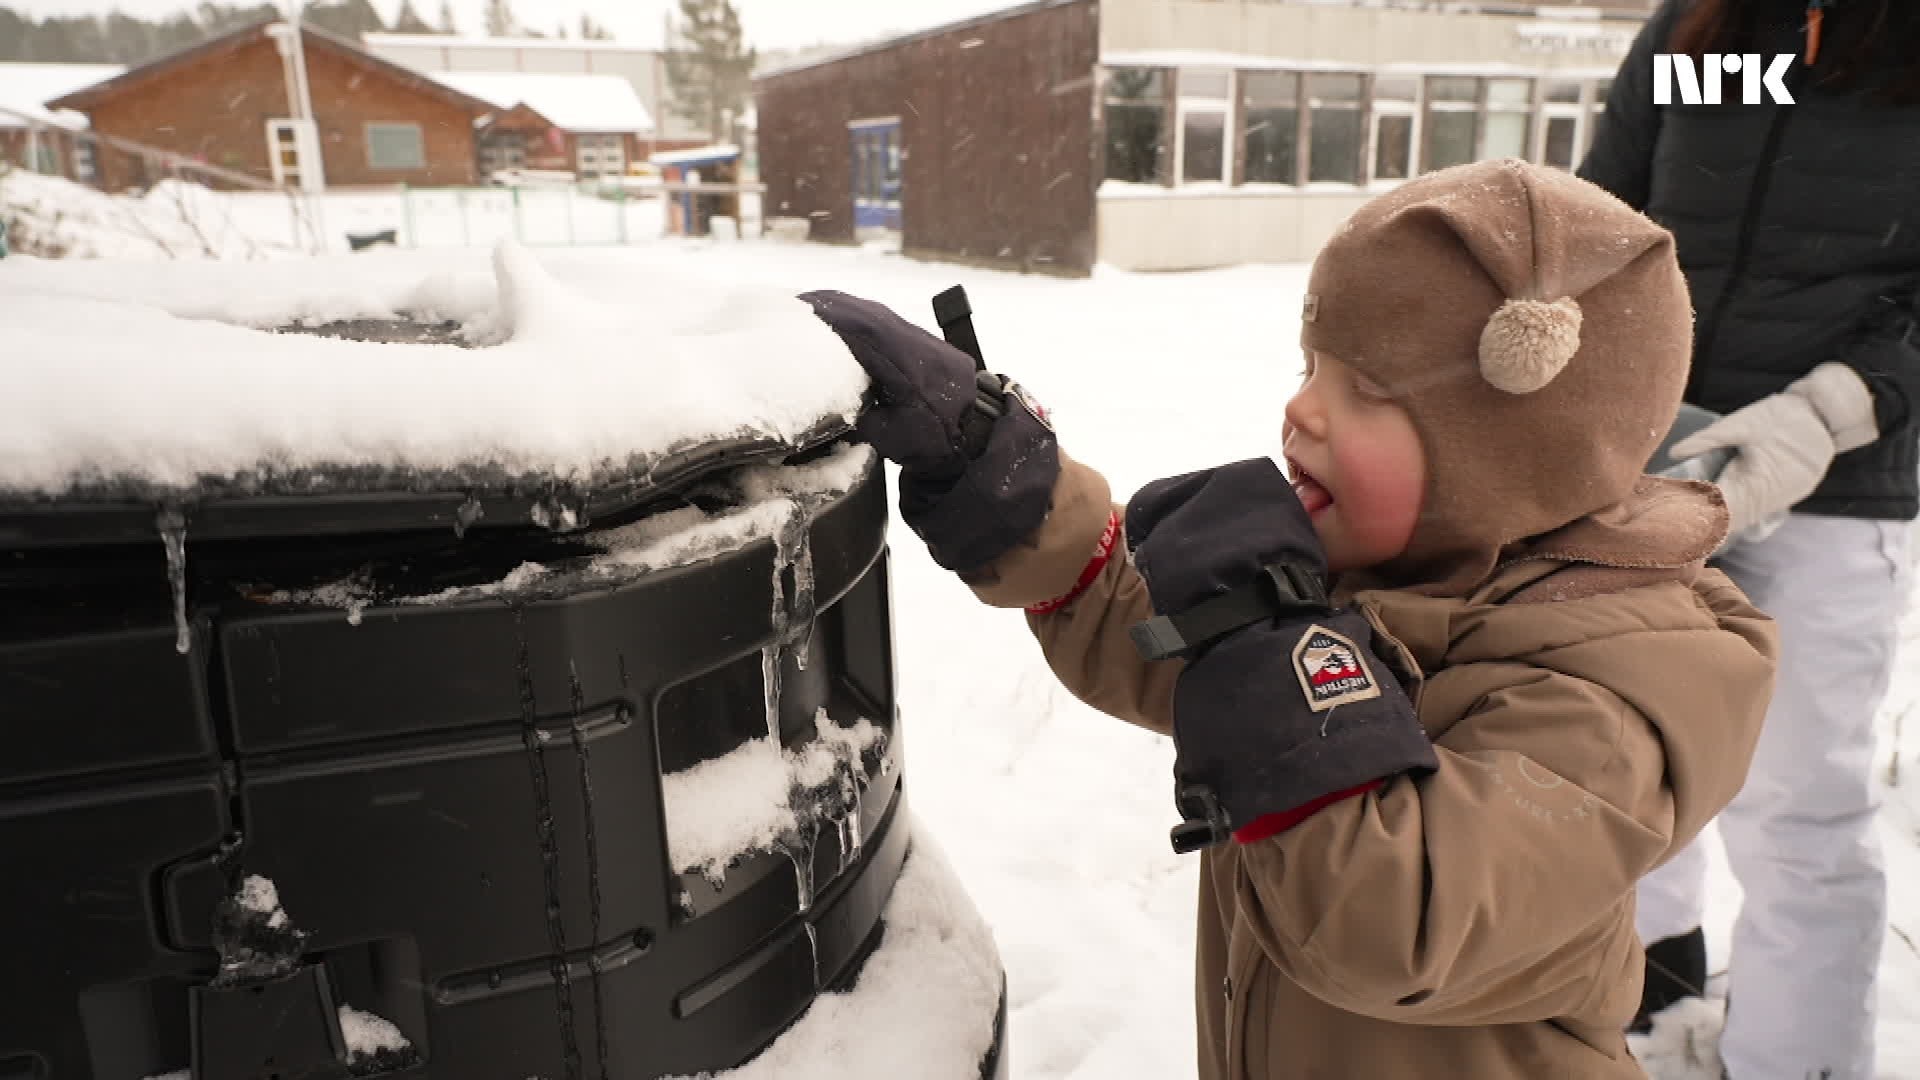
[{"x": 1309, "y": 491}]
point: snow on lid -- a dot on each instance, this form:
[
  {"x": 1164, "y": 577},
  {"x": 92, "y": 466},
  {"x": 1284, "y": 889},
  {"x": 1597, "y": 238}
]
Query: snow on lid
[
  {"x": 925, "y": 1002},
  {"x": 574, "y": 102},
  {"x": 742, "y": 801},
  {"x": 132, "y": 377},
  {"x": 26, "y": 88},
  {"x": 716, "y": 152},
  {"x": 367, "y": 1034}
]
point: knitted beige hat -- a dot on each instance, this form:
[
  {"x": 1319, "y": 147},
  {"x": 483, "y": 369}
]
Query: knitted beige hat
[{"x": 1536, "y": 329}]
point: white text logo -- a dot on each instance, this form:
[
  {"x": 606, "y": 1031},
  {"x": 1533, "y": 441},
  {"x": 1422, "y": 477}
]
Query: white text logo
[{"x": 1758, "y": 83}]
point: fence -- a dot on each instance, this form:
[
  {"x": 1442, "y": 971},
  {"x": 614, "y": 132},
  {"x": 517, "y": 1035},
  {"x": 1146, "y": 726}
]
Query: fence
[{"x": 224, "y": 213}]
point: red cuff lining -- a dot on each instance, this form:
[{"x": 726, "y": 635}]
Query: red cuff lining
[
  {"x": 1267, "y": 825},
  {"x": 1101, "y": 554}
]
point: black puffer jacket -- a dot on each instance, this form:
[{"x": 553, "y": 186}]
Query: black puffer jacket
[{"x": 1799, "y": 230}]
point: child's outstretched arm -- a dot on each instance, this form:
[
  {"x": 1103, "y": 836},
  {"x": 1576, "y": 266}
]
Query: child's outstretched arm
[
  {"x": 983, "y": 482},
  {"x": 1082, "y": 594}
]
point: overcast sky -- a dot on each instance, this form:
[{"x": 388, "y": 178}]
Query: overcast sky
[{"x": 769, "y": 23}]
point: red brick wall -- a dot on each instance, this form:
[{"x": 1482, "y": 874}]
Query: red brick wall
[{"x": 216, "y": 109}]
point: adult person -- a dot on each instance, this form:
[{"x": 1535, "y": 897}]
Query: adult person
[{"x": 1798, "y": 228}]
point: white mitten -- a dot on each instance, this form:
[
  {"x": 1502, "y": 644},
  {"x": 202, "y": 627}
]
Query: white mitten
[{"x": 1784, "y": 443}]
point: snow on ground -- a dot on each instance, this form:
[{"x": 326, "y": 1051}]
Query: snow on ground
[
  {"x": 173, "y": 220},
  {"x": 183, "y": 220},
  {"x": 1055, "y": 816}
]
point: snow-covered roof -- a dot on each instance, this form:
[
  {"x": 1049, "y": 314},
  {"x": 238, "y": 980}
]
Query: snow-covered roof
[
  {"x": 26, "y": 88},
  {"x": 573, "y": 102},
  {"x": 695, "y": 155},
  {"x": 123, "y": 380}
]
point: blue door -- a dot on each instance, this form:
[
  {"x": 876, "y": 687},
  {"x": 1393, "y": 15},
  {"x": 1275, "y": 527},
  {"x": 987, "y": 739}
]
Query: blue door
[{"x": 876, "y": 174}]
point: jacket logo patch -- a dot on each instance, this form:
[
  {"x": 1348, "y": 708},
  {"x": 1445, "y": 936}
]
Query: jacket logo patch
[{"x": 1332, "y": 670}]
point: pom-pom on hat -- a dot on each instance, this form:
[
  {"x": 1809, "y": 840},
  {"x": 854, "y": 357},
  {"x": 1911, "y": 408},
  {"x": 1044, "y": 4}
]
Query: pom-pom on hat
[{"x": 1537, "y": 331}]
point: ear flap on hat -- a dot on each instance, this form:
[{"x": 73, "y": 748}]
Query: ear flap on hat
[
  {"x": 1557, "y": 248},
  {"x": 1528, "y": 342}
]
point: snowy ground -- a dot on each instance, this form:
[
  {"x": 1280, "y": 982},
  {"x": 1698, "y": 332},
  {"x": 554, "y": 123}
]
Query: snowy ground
[
  {"x": 1056, "y": 816},
  {"x": 183, "y": 220}
]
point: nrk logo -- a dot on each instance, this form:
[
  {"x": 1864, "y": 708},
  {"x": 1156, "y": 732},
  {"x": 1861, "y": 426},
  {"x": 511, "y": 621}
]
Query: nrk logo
[
  {"x": 1332, "y": 670},
  {"x": 1758, "y": 84}
]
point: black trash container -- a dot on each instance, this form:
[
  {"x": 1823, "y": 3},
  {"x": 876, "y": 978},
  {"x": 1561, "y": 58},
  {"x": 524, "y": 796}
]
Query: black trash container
[{"x": 241, "y": 824}]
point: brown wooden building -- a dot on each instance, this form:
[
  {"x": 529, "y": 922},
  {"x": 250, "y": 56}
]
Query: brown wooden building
[
  {"x": 1172, "y": 134},
  {"x": 974, "y": 141},
  {"x": 225, "y": 102}
]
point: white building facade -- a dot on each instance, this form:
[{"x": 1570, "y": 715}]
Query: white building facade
[{"x": 1248, "y": 130}]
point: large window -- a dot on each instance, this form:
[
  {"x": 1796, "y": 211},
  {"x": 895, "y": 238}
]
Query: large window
[
  {"x": 1208, "y": 126},
  {"x": 395, "y": 146},
  {"x": 600, "y": 155},
  {"x": 1135, "y": 104},
  {"x": 1270, "y": 127},
  {"x": 1507, "y": 123},
  {"x": 1451, "y": 121},
  {"x": 1337, "y": 121},
  {"x": 502, "y": 150},
  {"x": 1561, "y": 127},
  {"x": 1396, "y": 100},
  {"x": 1203, "y": 125}
]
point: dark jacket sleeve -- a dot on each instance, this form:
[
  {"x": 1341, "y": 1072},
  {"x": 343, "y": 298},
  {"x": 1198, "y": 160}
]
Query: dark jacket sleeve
[
  {"x": 1886, "y": 356},
  {"x": 1621, "y": 158}
]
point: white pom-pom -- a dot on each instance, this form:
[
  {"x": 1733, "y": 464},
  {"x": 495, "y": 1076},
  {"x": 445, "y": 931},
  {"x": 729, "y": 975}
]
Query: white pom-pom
[{"x": 1528, "y": 342}]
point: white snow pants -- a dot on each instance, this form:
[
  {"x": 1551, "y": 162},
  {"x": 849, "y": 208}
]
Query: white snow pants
[{"x": 1800, "y": 834}]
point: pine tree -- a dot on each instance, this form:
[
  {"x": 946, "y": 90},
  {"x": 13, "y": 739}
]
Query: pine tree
[
  {"x": 347, "y": 18},
  {"x": 500, "y": 19},
  {"x": 408, "y": 21},
  {"x": 592, "y": 30},
  {"x": 446, "y": 25},
  {"x": 709, "y": 65}
]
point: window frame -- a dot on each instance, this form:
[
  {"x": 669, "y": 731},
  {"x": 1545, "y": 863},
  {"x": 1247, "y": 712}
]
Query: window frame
[
  {"x": 420, "y": 144},
  {"x": 1243, "y": 109},
  {"x": 1394, "y": 107},
  {"x": 1364, "y": 106},
  {"x": 1164, "y": 162},
  {"x": 1528, "y": 112},
  {"x": 1185, "y": 105},
  {"x": 1475, "y": 108}
]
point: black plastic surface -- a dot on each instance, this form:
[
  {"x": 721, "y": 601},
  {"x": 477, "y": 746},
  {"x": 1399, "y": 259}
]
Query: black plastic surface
[
  {"x": 460, "y": 804},
  {"x": 342, "y": 502}
]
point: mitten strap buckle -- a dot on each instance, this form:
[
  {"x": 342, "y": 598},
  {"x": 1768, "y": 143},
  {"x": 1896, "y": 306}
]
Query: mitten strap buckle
[
  {"x": 1283, "y": 588},
  {"x": 1205, "y": 821}
]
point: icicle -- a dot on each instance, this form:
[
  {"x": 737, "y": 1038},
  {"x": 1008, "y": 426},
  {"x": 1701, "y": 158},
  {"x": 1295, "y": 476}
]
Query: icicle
[
  {"x": 770, "y": 656},
  {"x": 173, "y": 533},
  {"x": 855, "y": 839},
  {"x": 813, "y": 946},
  {"x": 468, "y": 513},
  {"x": 770, "y": 689},
  {"x": 799, "y": 850},
  {"x": 802, "y": 605}
]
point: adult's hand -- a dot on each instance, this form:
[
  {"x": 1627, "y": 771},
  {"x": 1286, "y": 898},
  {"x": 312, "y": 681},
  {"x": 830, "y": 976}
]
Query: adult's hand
[{"x": 1783, "y": 444}]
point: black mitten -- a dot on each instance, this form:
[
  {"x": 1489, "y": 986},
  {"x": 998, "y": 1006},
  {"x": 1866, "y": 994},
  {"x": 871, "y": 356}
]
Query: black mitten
[
  {"x": 978, "y": 460},
  {"x": 1283, "y": 702}
]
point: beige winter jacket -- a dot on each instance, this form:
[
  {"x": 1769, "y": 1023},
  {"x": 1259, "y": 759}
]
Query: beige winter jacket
[{"x": 1476, "y": 923}]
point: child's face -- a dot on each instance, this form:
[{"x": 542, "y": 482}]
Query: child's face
[{"x": 1356, "y": 463}]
